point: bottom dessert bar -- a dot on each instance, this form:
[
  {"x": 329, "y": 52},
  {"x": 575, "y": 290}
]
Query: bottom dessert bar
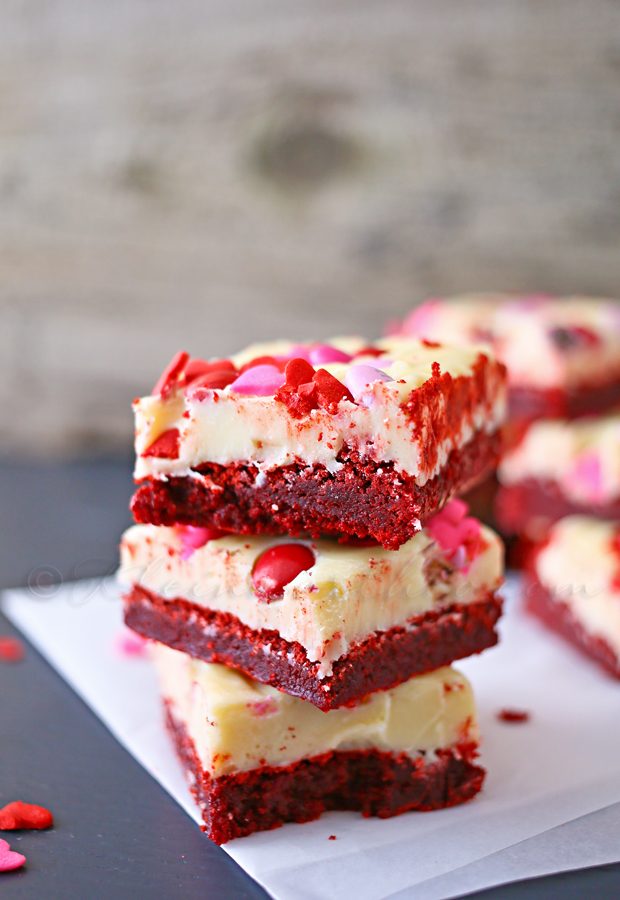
[
  {"x": 574, "y": 586},
  {"x": 256, "y": 758}
]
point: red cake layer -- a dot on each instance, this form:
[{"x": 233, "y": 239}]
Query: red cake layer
[
  {"x": 559, "y": 616},
  {"x": 366, "y": 781},
  {"x": 517, "y": 504},
  {"x": 379, "y": 662},
  {"x": 528, "y": 404},
  {"x": 364, "y": 498}
]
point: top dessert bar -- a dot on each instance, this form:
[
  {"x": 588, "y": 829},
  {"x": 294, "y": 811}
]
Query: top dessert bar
[
  {"x": 340, "y": 438},
  {"x": 562, "y": 354}
]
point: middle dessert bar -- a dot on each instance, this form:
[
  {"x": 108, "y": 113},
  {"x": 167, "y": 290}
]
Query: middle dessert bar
[
  {"x": 321, "y": 439},
  {"x": 324, "y": 621}
]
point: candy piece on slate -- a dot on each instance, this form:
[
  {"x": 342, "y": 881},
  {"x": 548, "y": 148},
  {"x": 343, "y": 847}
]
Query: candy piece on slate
[
  {"x": 259, "y": 381},
  {"x": 9, "y": 860},
  {"x": 324, "y": 353},
  {"x": 194, "y": 536},
  {"x": 277, "y": 567},
  {"x": 166, "y": 446},
  {"x": 171, "y": 375},
  {"x": 11, "y": 649},
  {"x": 358, "y": 378},
  {"x": 18, "y": 815}
]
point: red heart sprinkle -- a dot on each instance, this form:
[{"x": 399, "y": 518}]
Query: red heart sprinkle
[
  {"x": 24, "y": 815},
  {"x": 166, "y": 446},
  {"x": 277, "y": 567},
  {"x": 171, "y": 375},
  {"x": 11, "y": 649},
  {"x": 9, "y": 860},
  {"x": 298, "y": 371}
]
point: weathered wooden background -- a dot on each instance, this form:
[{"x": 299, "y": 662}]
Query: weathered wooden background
[{"x": 201, "y": 173}]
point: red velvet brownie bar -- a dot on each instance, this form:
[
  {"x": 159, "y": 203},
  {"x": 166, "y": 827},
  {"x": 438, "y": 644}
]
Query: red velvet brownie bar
[
  {"x": 562, "y": 354},
  {"x": 559, "y": 469},
  {"x": 319, "y": 439},
  {"x": 575, "y": 586},
  {"x": 257, "y": 758},
  {"x": 321, "y": 620}
]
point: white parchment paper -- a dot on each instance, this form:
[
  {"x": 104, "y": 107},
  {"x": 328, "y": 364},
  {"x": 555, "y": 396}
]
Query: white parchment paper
[{"x": 562, "y": 764}]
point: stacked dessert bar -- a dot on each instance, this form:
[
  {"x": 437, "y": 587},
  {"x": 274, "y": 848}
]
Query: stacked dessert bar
[
  {"x": 308, "y": 576},
  {"x": 560, "y": 470}
]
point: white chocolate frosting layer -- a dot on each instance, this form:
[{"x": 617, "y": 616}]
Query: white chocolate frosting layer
[
  {"x": 227, "y": 427},
  {"x": 581, "y": 568},
  {"x": 347, "y": 595},
  {"x": 523, "y": 331},
  {"x": 237, "y": 724},
  {"x": 582, "y": 457}
]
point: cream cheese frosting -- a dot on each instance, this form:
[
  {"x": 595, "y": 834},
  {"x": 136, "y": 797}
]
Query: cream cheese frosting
[
  {"x": 348, "y": 594},
  {"x": 226, "y": 427},
  {"x": 237, "y": 724},
  {"x": 531, "y": 334},
  {"x": 580, "y": 567},
  {"x": 582, "y": 457}
]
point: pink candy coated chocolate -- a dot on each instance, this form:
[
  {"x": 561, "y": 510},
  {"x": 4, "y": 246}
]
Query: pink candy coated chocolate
[
  {"x": 259, "y": 381},
  {"x": 9, "y": 860},
  {"x": 192, "y": 537},
  {"x": 588, "y": 475},
  {"x": 324, "y": 353},
  {"x": 458, "y": 534},
  {"x": 358, "y": 378},
  {"x": 421, "y": 319}
]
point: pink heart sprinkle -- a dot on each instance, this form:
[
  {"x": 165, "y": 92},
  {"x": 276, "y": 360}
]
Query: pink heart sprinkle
[
  {"x": 9, "y": 860},
  {"x": 259, "y": 381},
  {"x": 358, "y": 378},
  {"x": 324, "y": 353},
  {"x": 457, "y": 534}
]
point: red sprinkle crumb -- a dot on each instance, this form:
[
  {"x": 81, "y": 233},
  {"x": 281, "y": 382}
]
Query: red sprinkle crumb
[
  {"x": 513, "y": 715},
  {"x": 11, "y": 649},
  {"x": 18, "y": 815},
  {"x": 332, "y": 837}
]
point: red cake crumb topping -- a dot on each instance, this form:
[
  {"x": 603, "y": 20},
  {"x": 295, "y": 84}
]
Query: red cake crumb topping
[
  {"x": 18, "y": 815},
  {"x": 277, "y": 567},
  {"x": 166, "y": 446},
  {"x": 11, "y": 649},
  {"x": 513, "y": 715},
  {"x": 332, "y": 837},
  {"x": 306, "y": 389}
]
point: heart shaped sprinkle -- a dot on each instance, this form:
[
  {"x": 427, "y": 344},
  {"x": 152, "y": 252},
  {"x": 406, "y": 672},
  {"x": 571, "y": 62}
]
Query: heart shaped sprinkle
[
  {"x": 11, "y": 649},
  {"x": 9, "y": 860},
  {"x": 24, "y": 815}
]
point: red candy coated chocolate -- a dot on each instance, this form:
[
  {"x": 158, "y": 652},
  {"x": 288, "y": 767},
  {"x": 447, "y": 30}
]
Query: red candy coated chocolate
[
  {"x": 196, "y": 368},
  {"x": 277, "y": 567},
  {"x": 171, "y": 375},
  {"x": 214, "y": 381},
  {"x": 262, "y": 361},
  {"x": 166, "y": 446},
  {"x": 18, "y": 815}
]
